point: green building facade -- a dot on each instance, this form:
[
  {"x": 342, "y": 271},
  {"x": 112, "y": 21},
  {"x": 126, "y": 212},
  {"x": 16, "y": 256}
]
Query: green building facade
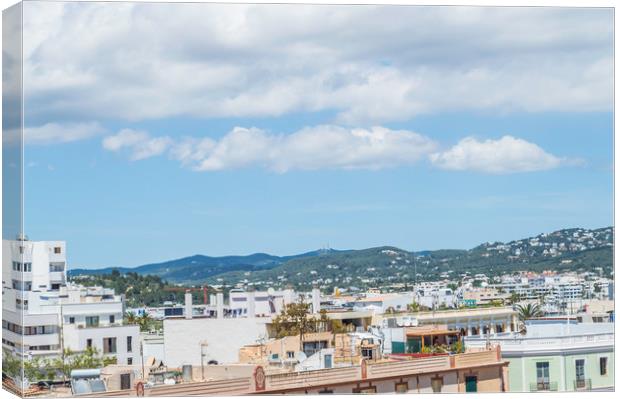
[
  {"x": 560, "y": 357},
  {"x": 561, "y": 371}
]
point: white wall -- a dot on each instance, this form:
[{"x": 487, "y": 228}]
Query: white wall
[
  {"x": 75, "y": 338},
  {"x": 224, "y": 338}
]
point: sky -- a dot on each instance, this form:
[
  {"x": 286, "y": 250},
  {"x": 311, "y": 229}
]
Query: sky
[{"x": 158, "y": 131}]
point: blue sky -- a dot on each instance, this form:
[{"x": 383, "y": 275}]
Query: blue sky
[{"x": 219, "y": 132}]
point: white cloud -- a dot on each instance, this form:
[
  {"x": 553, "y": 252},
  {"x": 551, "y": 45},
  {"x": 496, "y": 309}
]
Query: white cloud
[
  {"x": 319, "y": 147},
  {"x": 506, "y": 155},
  {"x": 366, "y": 64},
  {"x": 52, "y": 133},
  {"x": 139, "y": 144}
]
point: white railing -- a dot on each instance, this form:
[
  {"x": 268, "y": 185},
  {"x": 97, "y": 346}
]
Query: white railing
[{"x": 506, "y": 342}]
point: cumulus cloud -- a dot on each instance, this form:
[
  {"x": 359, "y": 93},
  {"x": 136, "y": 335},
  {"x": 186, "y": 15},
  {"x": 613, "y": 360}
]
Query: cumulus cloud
[
  {"x": 318, "y": 147},
  {"x": 138, "y": 144},
  {"x": 505, "y": 155},
  {"x": 51, "y": 133},
  {"x": 364, "y": 64}
]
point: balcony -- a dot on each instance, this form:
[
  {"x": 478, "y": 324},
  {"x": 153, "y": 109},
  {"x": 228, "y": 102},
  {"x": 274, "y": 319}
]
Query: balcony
[
  {"x": 543, "y": 386},
  {"x": 584, "y": 384}
]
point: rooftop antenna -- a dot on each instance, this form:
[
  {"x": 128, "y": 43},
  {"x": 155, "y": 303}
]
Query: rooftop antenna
[{"x": 415, "y": 272}]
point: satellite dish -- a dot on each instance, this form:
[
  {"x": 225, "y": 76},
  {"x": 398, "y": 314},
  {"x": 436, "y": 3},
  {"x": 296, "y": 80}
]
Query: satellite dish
[
  {"x": 271, "y": 291},
  {"x": 301, "y": 356}
]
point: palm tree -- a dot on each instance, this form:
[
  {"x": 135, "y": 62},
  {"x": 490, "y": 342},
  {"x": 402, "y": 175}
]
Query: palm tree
[
  {"x": 130, "y": 318},
  {"x": 413, "y": 307},
  {"x": 529, "y": 311},
  {"x": 144, "y": 321}
]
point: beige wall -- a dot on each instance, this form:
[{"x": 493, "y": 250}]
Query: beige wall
[
  {"x": 488, "y": 381},
  {"x": 489, "y": 378}
]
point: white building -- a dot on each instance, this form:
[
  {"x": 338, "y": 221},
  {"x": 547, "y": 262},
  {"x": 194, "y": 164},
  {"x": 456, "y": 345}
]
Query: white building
[
  {"x": 259, "y": 303},
  {"x": 196, "y": 340},
  {"x": 42, "y": 314}
]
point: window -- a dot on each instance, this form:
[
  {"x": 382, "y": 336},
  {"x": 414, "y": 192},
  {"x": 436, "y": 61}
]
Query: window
[
  {"x": 71, "y": 320},
  {"x": 370, "y": 389},
  {"x": 129, "y": 346},
  {"x": 129, "y": 361},
  {"x": 28, "y": 267},
  {"x": 21, "y": 304},
  {"x": 92, "y": 321},
  {"x": 109, "y": 345},
  {"x": 436, "y": 384},
  {"x": 471, "y": 383},
  {"x": 111, "y": 319},
  {"x": 89, "y": 343},
  {"x": 367, "y": 353},
  {"x": 56, "y": 250},
  {"x": 290, "y": 354},
  {"x": 603, "y": 365},
  {"x": 401, "y": 387},
  {"x": 542, "y": 376},
  {"x": 57, "y": 266},
  {"x": 22, "y": 285}
]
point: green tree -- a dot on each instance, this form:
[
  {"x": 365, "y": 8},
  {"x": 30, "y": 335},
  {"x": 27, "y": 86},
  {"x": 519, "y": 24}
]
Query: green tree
[
  {"x": 11, "y": 365},
  {"x": 413, "y": 307},
  {"x": 528, "y": 311},
  {"x": 144, "y": 321},
  {"x": 295, "y": 319},
  {"x": 33, "y": 369},
  {"x": 88, "y": 359},
  {"x": 457, "y": 347},
  {"x": 130, "y": 318},
  {"x": 514, "y": 297}
]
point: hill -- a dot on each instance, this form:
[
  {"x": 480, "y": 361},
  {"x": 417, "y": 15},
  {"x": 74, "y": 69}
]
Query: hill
[{"x": 568, "y": 249}]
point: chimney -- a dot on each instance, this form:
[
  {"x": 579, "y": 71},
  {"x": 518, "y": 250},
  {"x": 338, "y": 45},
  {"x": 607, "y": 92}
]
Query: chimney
[
  {"x": 220, "y": 305},
  {"x": 250, "y": 298},
  {"x": 188, "y": 305},
  {"x": 316, "y": 300},
  {"x": 289, "y": 295}
]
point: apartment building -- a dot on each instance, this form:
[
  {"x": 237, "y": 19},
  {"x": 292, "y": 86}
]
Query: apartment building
[
  {"x": 466, "y": 321},
  {"x": 259, "y": 303},
  {"x": 43, "y": 314}
]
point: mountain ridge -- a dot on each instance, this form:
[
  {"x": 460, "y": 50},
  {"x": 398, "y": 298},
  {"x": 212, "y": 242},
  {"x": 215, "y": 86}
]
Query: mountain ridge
[{"x": 571, "y": 248}]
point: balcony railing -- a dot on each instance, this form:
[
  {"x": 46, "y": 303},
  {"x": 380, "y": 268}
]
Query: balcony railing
[
  {"x": 584, "y": 384},
  {"x": 543, "y": 386}
]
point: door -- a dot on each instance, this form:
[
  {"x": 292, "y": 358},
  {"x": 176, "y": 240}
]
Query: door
[
  {"x": 471, "y": 383},
  {"x": 328, "y": 361},
  {"x": 542, "y": 376},
  {"x": 580, "y": 373},
  {"x": 125, "y": 381},
  {"x": 414, "y": 345}
]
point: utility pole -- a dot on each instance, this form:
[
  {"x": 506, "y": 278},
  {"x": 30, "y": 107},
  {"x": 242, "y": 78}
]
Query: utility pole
[
  {"x": 62, "y": 339},
  {"x": 142, "y": 357},
  {"x": 202, "y": 358}
]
